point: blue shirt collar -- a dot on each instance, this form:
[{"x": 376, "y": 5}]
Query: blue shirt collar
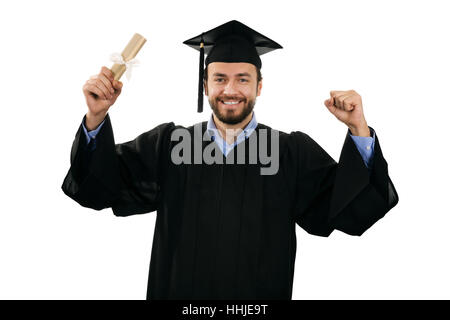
[{"x": 223, "y": 145}]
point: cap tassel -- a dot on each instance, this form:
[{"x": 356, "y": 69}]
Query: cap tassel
[{"x": 201, "y": 73}]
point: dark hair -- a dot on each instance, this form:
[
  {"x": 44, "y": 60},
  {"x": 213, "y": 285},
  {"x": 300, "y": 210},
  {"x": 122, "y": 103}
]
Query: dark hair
[{"x": 258, "y": 74}]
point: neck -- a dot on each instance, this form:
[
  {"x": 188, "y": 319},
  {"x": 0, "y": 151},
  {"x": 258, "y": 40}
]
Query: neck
[{"x": 229, "y": 132}]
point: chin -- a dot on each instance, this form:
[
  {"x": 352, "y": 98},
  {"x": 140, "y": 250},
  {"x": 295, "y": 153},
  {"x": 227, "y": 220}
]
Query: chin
[{"x": 231, "y": 115}]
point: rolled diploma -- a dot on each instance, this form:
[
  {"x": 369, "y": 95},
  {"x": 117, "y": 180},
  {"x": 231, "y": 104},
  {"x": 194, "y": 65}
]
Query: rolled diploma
[{"x": 128, "y": 53}]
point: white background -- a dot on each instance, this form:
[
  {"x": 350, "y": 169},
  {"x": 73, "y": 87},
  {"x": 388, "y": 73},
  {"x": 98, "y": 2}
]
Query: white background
[{"x": 394, "y": 53}]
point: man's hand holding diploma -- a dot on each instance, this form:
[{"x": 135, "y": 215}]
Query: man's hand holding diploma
[{"x": 100, "y": 91}]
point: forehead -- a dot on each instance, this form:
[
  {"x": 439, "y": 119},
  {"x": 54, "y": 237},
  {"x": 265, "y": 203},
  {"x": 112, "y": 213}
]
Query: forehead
[{"x": 231, "y": 68}]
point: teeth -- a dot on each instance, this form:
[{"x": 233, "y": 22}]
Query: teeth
[{"x": 231, "y": 102}]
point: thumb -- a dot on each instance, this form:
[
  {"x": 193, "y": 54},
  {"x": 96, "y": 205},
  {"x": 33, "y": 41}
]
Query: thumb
[{"x": 117, "y": 85}]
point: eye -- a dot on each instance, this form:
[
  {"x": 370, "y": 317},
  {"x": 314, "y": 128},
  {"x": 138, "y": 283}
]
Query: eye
[
  {"x": 219, "y": 80},
  {"x": 243, "y": 80}
]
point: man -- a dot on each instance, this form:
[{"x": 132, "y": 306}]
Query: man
[{"x": 224, "y": 228}]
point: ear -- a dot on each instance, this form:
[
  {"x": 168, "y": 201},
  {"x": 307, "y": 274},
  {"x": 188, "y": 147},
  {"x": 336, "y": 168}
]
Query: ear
[
  {"x": 205, "y": 85},
  {"x": 259, "y": 87}
]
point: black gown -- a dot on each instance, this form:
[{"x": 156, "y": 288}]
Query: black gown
[{"x": 226, "y": 231}]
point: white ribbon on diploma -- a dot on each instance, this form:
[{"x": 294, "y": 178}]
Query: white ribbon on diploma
[{"x": 117, "y": 58}]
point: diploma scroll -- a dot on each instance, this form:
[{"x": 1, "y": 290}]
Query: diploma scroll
[{"x": 128, "y": 54}]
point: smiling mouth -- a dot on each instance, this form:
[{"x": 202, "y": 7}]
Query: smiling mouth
[{"x": 230, "y": 104}]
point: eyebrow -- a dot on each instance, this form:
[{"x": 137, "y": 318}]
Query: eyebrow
[{"x": 243, "y": 74}]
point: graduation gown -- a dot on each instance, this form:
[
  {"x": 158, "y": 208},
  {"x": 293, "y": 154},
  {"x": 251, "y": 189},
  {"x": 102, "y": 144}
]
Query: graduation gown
[{"x": 226, "y": 231}]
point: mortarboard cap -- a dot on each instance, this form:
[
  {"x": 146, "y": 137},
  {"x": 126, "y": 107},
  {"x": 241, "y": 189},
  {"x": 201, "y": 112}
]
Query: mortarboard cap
[{"x": 230, "y": 42}]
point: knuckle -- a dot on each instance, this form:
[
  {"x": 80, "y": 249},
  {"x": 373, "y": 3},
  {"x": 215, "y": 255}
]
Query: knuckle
[
  {"x": 106, "y": 81},
  {"x": 108, "y": 73}
]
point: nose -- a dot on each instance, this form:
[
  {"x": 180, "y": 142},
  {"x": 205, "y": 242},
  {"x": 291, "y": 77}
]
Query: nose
[{"x": 230, "y": 88}]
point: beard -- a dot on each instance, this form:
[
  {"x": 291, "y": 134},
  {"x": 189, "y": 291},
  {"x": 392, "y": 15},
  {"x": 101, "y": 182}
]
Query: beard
[{"x": 231, "y": 116}]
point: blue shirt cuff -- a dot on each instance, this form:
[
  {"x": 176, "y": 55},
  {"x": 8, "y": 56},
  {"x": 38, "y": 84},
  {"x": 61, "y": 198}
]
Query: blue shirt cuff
[
  {"x": 365, "y": 146},
  {"x": 93, "y": 133}
]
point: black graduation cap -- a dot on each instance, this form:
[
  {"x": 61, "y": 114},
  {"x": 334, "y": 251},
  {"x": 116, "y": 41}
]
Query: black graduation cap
[{"x": 230, "y": 42}]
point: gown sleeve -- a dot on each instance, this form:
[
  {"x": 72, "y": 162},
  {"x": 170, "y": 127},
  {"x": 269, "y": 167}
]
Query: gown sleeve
[
  {"x": 126, "y": 177},
  {"x": 345, "y": 196}
]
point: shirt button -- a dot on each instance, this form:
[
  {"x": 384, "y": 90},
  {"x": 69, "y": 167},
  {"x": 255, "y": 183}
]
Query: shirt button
[
  {"x": 368, "y": 147},
  {"x": 93, "y": 137}
]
